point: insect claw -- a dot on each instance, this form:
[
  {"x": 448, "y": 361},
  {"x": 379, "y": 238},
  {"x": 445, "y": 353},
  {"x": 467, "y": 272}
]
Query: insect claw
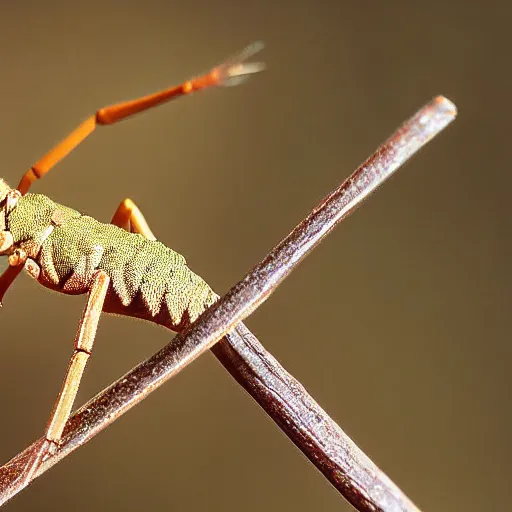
[
  {"x": 39, "y": 453},
  {"x": 18, "y": 257},
  {"x": 235, "y": 71}
]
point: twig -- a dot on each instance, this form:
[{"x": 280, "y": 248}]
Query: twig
[{"x": 281, "y": 396}]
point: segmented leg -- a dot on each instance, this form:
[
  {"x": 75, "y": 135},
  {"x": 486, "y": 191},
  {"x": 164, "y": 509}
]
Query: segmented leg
[
  {"x": 129, "y": 217},
  {"x": 232, "y": 72},
  {"x": 132, "y": 216},
  {"x": 84, "y": 341}
]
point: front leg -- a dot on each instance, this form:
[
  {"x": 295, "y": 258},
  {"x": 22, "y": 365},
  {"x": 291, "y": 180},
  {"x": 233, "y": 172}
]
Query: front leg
[{"x": 17, "y": 258}]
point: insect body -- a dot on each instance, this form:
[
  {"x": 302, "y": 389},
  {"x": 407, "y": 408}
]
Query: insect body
[
  {"x": 65, "y": 248},
  {"x": 121, "y": 265}
]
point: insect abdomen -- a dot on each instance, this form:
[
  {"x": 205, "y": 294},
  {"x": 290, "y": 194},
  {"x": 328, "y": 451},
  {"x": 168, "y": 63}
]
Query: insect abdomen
[
  {"x": 155, "y": 283},
  {"x": 148, "y": 280}
]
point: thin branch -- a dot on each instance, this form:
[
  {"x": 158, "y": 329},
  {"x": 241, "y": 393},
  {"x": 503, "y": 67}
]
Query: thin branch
[{"x": 281, "y": 396}]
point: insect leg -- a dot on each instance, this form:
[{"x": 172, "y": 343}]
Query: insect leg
[
  {"x": 232, "y": 72},
  {"x": 16, "y": 260},
  {"x": 129, "y": 217},
  {"x": 84, "y": 341}
]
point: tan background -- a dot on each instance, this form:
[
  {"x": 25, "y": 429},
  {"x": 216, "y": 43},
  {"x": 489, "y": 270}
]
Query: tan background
[{"x": 397, "y": 324}]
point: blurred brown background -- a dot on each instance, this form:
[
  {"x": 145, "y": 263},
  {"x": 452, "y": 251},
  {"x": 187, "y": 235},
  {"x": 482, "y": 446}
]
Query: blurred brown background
[{"x": 396, "y": 324}]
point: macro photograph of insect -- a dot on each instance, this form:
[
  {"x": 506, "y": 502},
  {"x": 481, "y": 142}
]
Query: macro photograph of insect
[{"x": 165, "y": 166}]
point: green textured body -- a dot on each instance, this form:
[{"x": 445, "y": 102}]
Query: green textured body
[{"x": 147, "y": 279}]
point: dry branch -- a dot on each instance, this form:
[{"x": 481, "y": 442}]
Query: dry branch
[{"x": 283, "y": 398}]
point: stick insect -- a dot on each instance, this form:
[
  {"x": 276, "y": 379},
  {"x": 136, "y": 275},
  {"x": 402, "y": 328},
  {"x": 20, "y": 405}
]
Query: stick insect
[{"x": 121, "y": 265}]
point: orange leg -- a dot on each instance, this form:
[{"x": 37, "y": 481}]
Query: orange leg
[
  {"x": 84, "y": 341},
  {"x": 130, "y": 218},
  {"x": 232, "y": 72}
]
